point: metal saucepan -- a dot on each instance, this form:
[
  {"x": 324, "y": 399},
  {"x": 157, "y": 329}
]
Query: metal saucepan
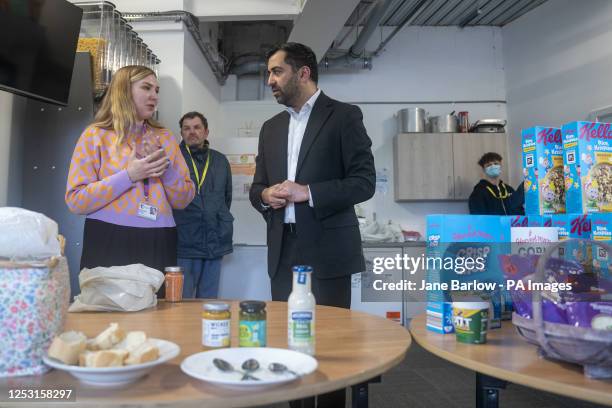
[
  {"x": 444, "y": 123},
  {"x": 411, "y": 120}
]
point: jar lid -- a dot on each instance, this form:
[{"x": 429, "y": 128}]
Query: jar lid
[
  {"x": 252, "y": 306},
  {"x": 302, "y": 268},
  {"x": 173, "y": 269},
  {"x": 216, "y": 306}
]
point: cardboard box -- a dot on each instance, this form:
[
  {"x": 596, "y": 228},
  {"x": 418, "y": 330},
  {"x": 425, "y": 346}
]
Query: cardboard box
[
  {"x": 587, "y": 163},
  {"x": 456, "y": 236},
  {"x": 543, "y": 171}
]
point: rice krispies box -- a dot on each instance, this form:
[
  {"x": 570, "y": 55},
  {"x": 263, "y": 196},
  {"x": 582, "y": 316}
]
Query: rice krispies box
[
  {"x": 561, "y": 222},
  {"x": 601, "y": 231},
  {"x": 588, "y": 166},
  {"x": 463, "y": 236},
  {"x": 543, "y": 170},
  {"x": 539, "y": 221}
]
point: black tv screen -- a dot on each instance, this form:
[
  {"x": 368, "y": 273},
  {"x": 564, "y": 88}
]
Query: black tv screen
[{"x": 38, "y": 40}]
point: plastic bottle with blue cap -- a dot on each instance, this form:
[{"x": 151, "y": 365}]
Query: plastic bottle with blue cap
[{"x": 301, "y": 312}]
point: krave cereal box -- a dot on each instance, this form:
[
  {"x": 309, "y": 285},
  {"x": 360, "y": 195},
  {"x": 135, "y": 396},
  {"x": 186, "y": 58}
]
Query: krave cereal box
[
  {"x": 588, "y": 166},
  {"x": 543, "y": 170}
]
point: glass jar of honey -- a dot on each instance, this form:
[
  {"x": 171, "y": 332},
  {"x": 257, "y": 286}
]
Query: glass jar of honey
[{"x": 216, "y": 329}]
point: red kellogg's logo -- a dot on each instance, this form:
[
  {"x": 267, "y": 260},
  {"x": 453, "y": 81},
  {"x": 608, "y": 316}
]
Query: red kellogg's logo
[
  {"x": 580, "y": 225},
  {"x": 519, "y": 221},
  {"x": 549, "y": 136},
  {"x": 595, "y": 131}
]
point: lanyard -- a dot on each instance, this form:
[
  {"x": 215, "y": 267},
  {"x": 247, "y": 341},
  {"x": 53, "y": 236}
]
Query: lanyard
[
  {"x": 195, "y": 169},
  {"x": 503, "y": 192}
]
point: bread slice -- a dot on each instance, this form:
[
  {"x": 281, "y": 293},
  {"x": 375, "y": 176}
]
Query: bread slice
[
  {"x": 103, "y": 358},
  {"x": 132, "y": 340},
  {"x": 112, "y": 335},
  {"x": 147, "y": 351},
  {"x": 67, "y": 346}
]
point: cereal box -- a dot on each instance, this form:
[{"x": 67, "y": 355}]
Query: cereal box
[
  {"x": 543, "y": 171},
  {"x": 539, "y": 221},
  {"x": 458, "y": 237},
  {"x": 518, "y": 220},
  {"x": 561, "y": 222},
  {"x": 601, "y": 232},
  {"x": 588, "y": 166}
]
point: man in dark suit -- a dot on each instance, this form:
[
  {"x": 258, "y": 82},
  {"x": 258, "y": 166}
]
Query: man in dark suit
[{"x": 314, "y": 164}]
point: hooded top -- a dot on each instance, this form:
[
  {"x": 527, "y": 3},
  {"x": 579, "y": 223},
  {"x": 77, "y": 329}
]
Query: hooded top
[{"x": 489, "y": 199}]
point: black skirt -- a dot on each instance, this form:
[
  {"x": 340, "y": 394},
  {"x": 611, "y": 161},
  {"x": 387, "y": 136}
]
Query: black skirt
[{"x": 106, "y": 244}]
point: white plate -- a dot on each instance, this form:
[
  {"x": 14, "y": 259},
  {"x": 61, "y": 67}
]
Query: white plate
[
  {"x": 201, "y": 365},
  {"x": 117, "y": 375}
]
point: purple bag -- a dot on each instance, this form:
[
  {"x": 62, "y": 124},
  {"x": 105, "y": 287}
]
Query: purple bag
[{"x": 593, "y": 315}]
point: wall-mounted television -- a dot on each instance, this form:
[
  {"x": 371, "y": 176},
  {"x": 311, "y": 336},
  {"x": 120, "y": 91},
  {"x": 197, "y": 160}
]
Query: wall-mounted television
[{"x": 38, "y": 41}]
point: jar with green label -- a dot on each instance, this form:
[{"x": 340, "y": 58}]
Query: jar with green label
[{"x": 252, "y": 322}]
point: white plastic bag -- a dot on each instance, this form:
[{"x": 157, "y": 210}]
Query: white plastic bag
[
  {"x": 119, "y": 288},
  {"x": 27, "y": 235}
]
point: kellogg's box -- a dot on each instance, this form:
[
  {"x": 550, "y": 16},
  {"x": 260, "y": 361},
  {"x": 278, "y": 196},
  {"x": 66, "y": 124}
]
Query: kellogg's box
[
  {"x": 588, "y": 166},
  {"x": 601, "y": 232},
  {"x": 539, "y": 221},
  {"x": 543, "y": 170},
  {"x": 455, "y": 238},
  {"x": 561, "y": 222},
  {"x": 517, "y": 220}
]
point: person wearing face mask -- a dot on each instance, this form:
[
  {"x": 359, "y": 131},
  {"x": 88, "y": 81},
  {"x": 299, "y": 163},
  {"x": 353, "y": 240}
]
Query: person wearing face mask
[
  {"x": 126, "y": 175},
  {"x": 491, "y": 196},
  {"x": 205, "y": 226}
]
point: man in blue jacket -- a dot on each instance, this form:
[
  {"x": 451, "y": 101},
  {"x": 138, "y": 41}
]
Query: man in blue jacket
[{"x": 205, "y": 227}]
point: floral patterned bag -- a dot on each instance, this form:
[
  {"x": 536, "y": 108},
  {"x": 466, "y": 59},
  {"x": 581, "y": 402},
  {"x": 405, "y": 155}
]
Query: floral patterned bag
[{"x": 33, "y": 304}]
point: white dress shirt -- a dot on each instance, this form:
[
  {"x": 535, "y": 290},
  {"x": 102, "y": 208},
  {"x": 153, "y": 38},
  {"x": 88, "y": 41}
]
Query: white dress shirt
[{"x": 297, "y": 127}]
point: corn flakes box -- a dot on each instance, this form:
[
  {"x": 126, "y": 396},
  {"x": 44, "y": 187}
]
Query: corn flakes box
[
  {"x": 587, "y": 166},
  {"x": 454, "y": 238},
  {"x": 543, "y": 170}
]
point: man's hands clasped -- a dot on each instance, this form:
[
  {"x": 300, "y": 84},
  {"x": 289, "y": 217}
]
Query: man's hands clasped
[{"x": 279, "y": 195}]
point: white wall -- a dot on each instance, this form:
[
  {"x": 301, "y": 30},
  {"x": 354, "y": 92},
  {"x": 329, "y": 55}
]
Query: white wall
[
  {"x": 201, "y": 91},
  {"x": 421, "y": 64},
  {"x": 12, "y": 116},
  {"x": 186, "y": 80},
  {"x": 427, "y": 64},
  {"x": 558, "y": 63}
]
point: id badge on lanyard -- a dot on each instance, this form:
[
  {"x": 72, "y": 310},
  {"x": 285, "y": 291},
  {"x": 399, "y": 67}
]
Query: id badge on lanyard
[{"x": 146, "y": 210}]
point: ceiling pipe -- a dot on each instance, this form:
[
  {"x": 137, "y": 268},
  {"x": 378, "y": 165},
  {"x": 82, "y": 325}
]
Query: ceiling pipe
[
  {"x": 416, "y": 11},
  {"x": 359, "y": 21},
  {"x": 355, "y": 57},
  {"x": 251, "y": 67},
  {"x": 191, "y": 22},
  {"x": 378, "y": 13}
]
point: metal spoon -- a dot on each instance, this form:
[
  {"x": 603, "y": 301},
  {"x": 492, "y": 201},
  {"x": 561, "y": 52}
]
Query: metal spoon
[
  {"x": 227, "y": 367},
  {"x": 279, "y": 368},
  {"x": 249, "y": 366}
]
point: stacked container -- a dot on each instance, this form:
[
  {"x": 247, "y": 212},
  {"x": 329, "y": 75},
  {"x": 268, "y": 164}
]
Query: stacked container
[
  {"x": 112, "y": 43},
  {"x": 97, "y": 37}
]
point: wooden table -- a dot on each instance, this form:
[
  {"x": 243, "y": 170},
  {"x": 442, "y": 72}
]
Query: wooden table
[
  {"x": 507, "y": 356},
  {"x": 352, "y": 347}
]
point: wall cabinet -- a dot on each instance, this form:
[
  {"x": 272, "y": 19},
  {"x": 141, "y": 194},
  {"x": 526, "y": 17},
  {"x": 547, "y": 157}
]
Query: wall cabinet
[{"x": 442, "y": 166}]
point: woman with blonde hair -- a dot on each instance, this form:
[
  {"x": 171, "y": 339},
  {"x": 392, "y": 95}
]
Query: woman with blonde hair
[{"x": 126, "y": 175}]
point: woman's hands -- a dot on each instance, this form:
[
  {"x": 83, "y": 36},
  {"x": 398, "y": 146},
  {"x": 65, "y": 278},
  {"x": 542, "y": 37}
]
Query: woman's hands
[{"x": 152, "y": 165}]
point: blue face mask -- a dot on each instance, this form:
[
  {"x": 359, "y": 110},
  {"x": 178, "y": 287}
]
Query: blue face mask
[{"x": 493, "y": 170}]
